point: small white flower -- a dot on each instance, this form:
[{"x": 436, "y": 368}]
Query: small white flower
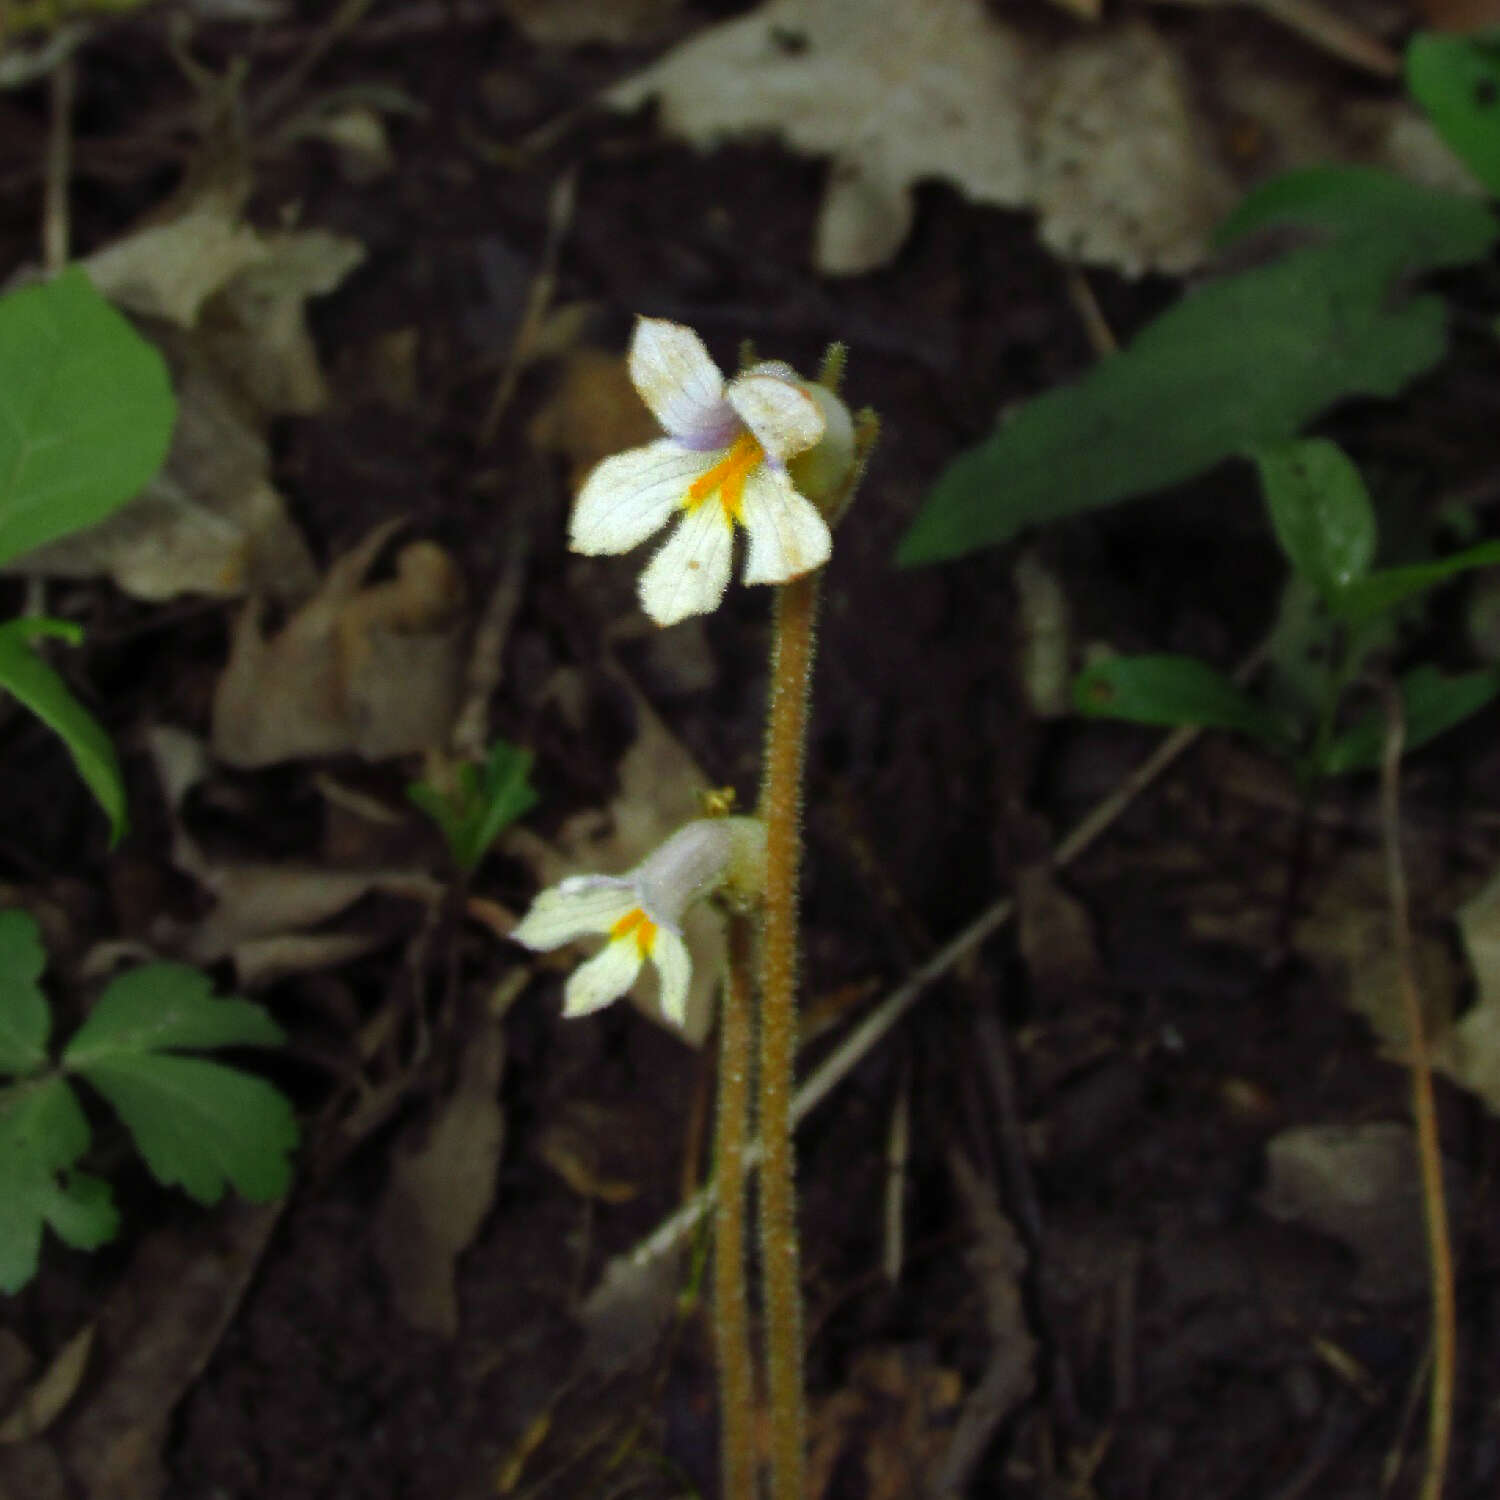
[
  {"x": 641, "y": 912},
  {"x": 722, "y": 461}
]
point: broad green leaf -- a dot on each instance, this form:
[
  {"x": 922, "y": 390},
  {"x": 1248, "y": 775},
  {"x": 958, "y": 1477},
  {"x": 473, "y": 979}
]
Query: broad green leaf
[
  {"x": 158, "y": 1006},
  {"x": 1245, "y": 359},
  {"x": 1388, "y": 587},
  {"x": 25, "y": 1018},
  {"x": 199, "y": 1124},
  {"x": 86, "y": 411},
  {"x": 1431, "y": 702},
  {"x": 1173, "y": 690},
  {"x": 1320, "y": 511},
  {"x": 35, "y": 684},
  {"x": 43, "y": 1132},
  {"x": 1456, "y": 79}
]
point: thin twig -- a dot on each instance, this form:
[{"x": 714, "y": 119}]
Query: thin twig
[
  {"x": 1424, "y": 1109},
  {"x": 55, "y": 220}
]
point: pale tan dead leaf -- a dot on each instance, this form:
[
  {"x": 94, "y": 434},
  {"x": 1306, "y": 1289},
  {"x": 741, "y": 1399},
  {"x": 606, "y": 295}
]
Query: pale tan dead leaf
[
  {"x": 571, "y": 23},
  {"x": 1056, "y": 935},
  {"x": 659, "y": 792},
  {"x": 209, "y": 523},
  {"x": 373, "y": 668},
  {"x": 1105, "y": 132},
  {"x": 890, "y": 92},
  {"x": 441, "y": 1186},
  {"x": 572, "y": 1146},
  {"x": 256, "y": 327},
  {"x": 42, "y": 1402},
  {"x": 259, "y": 962},
  {"x": 171, "y": 268},
  {"x": 1470, "y": 1051},
  {"x": 1044, "y": 624},
  {"x": 1358, "y": 1184}
]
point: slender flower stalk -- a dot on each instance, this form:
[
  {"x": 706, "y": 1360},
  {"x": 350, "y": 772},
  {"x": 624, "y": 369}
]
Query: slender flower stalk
[
  {"x": 731, "y": 1305},
  {"x": 781, "y": 811}
]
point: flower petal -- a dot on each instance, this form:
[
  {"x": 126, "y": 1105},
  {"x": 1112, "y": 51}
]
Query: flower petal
[
  {"x": 788, "y": 536},
  {"x": 783, "y": 417},
  {"x": 632, "y": 495},
  {"x": 605, "y": 977},
  {"x": 579, "y": 906},
  {"x": 689, "y": 574},
  {"x": 679, "y": 381},
  {"x": 674, "y": 969}
]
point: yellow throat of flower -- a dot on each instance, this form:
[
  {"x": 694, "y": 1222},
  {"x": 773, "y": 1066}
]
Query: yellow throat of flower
[
  {"x": 728, "y": 477},
  {"x": 638, "y": 924}
]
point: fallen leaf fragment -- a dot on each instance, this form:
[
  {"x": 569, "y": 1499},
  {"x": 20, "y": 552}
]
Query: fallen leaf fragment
[
  {"x": 441, "y": 1187},
  {"x": 375, "y": 669},
  {"x": 43, "y": 1401},
  {"x": 1469, "y": 1052}
]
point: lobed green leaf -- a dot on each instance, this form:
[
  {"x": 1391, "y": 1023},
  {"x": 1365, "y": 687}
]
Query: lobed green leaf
[{"x": 25, "y": 1018}]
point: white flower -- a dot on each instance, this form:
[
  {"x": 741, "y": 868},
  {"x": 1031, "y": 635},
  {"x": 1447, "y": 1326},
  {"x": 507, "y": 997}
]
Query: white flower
[
  {"x": 641, "y": 912},
  {"x": 723, "y": 461}
]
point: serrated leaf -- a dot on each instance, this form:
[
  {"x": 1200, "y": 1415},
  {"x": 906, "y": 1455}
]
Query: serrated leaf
[
  {"x": 25, "y": 1018},
  {"x": 86, "y": 411},
  {"x": 481, "y": 803},
  {"x": 1456, "y": 79},
  {"x": 1431, "y": 702},
  {"x": 1246, "y": 359},
  {"x": 1173, "y": 690},
  {"x": 24, "y": 674},
  {"x": 1383, "y": 590},
  {"x": 199, "y": 1124},
  {"x": 43, "y": 1132},
  {"x": 158, "y": 1006},
  {"x": 1320, "y": 511}
]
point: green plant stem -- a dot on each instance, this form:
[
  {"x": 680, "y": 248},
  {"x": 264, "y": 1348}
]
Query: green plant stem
[
  {"x": 731, "y": 1304},
  {"x": 781, "y": 808}
]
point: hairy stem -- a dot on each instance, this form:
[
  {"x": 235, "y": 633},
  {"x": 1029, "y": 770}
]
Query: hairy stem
[
  {"x": 731, "y": 1305},
  {"x": 781, "y": 808}
]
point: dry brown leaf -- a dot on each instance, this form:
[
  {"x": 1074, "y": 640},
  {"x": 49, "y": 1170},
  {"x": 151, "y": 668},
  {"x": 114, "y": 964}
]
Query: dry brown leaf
[
  {"x": 1470, "y": 1051},
  {"x": 42, "y": 1402},
  {"x": 594, "y": 411},
  {"x": 375, "y": 669},
  {"x": 441, "y": 1186}
]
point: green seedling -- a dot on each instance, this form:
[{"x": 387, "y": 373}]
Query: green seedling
[
  {"x": 86, "y": 413},
  {"x": 1244, "y": 359},
  {"x": 476, "y": 803},
  {"x": 1337, "y": 613},
  {"x": 198, "y": 1124}
]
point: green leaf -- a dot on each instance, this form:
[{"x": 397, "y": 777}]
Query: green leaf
[
  {"x": 1173, "y": 690},
  {"x": 160, "y": 1005},
  {"x": 43, "y": 1132},
  {"x": 25, "y": 1018},
  {"x": 86, "y": 411},
  {"x": 1431, "y": 702},
  {"x": 199, "y": 1124},
  {"x": 482, "y": 802},
  {"x": 1383, "y": 590},
  {"x": 1320, "y": 511},
  {"x": 1243, "y": 360},
  {"x": 1456, "y": 79},
  {"x": 34, "y": 683}
]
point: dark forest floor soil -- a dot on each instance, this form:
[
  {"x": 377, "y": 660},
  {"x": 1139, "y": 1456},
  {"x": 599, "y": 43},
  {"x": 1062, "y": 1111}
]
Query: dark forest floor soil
[{"x": 1189, "y": 1344}]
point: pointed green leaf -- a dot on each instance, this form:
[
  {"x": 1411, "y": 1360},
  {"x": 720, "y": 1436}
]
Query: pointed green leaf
[
  {"x": 1173, "y": 690},
  {"x": 43, "y": 1132},
  {"x": 25, "y": 1018},
  {"x": 199, "y": 1124},
  {"x": 1456, "y": 79},
  {"x": 159, "y": 1006},
  {"x": 1432, "y": 703},
  {"x": 1320, "y": 511},
  {"x": 481, "y": 802},
  {"x": 34, "y": 683},
  {"x": 1242, "y": 360},
  {"x": 1383, "y": 590},
  {"x": 86, "y": 411}
]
